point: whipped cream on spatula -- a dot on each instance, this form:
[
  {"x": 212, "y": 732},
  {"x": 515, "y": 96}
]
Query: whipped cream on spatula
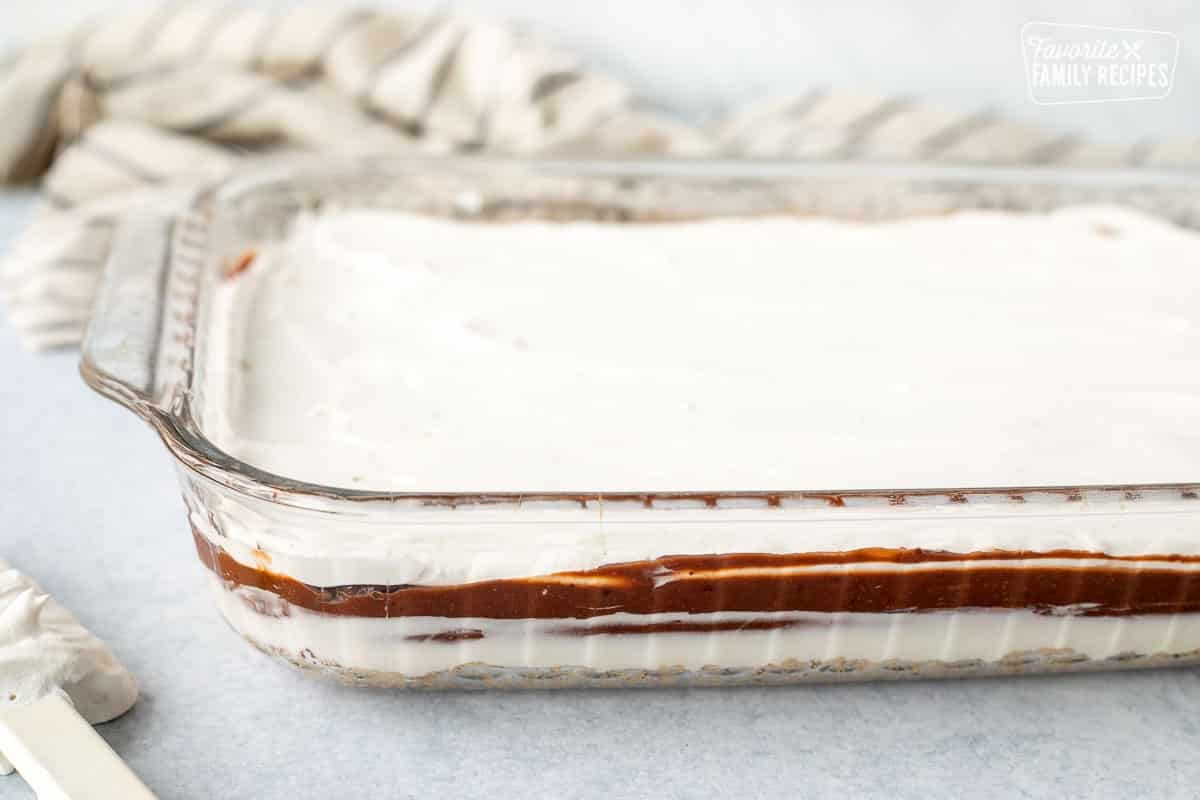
[{"x": 55, "y": 679}]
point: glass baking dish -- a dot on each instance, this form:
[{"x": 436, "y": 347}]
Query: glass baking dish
[{"x": 486, "y": 589}]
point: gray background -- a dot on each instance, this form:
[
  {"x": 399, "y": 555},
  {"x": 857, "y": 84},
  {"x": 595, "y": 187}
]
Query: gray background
[{"x": 88, "y": 505}]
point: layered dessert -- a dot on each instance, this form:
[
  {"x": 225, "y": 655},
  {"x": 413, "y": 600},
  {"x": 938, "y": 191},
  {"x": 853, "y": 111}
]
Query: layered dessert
[{"x": 745, "y": 447}]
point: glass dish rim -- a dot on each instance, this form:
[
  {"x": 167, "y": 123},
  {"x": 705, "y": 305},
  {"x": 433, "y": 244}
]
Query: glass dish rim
[{"x": 194, "y": 450}]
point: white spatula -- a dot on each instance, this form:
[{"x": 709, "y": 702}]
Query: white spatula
[{"x": 56, "y": 679}]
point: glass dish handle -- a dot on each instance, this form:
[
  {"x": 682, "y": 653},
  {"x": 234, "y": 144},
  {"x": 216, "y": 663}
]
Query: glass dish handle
[{"x": 120, "y": 348}]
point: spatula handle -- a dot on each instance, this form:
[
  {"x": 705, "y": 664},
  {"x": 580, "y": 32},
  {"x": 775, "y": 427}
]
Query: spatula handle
[{"x": 62, "y": 757}]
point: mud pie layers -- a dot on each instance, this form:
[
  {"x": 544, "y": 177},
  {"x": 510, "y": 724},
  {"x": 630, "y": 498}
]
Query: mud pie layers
[
  {"x": 481, "y": 422},
  {"x": 745, "y": 617},
  {"x": 424, "y": 375}
]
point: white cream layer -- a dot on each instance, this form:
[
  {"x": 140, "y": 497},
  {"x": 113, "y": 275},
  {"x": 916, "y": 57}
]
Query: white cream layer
[
  {"x": 453, "y": 546},
  {"x": 383, "y": 351}
]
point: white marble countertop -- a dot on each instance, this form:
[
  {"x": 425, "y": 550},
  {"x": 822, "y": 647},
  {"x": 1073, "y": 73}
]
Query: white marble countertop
[{"x": 90, "y": 509}]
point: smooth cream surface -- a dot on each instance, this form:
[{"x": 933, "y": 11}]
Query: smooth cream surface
[{"x": 384, "y": 351}]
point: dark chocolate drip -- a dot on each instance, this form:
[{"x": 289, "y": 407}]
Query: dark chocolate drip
[
  {"x": 682, "y": 626},
  {"x": 456, "y": 635},
  {"x": 699, "y": 584}
]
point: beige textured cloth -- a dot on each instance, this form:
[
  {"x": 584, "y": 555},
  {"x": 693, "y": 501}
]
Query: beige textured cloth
[{"x": 131, "y": 111}]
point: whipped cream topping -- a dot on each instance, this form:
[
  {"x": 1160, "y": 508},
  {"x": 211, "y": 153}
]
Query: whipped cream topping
[
  {"x": 44, "y": 649},
  {"x": 385, "y": 351}
]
